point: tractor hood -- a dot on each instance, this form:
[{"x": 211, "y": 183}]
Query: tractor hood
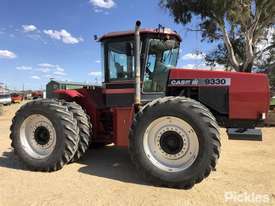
[{"x": 248, "y": 93}]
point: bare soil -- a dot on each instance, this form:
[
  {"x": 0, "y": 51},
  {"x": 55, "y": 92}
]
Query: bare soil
[{"x": 107, "y": 177}]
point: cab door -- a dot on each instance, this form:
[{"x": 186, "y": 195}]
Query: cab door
[
  {"x": 119, "y": 84},
  {"x": 162, "y": 55}
]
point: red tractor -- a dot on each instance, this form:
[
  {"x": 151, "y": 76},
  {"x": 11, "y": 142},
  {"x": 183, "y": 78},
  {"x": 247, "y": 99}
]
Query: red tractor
[
  {"x": 167, "y": 117},
  {"x": 37, "y": 95},
  {"x": 16, "y": 98}
]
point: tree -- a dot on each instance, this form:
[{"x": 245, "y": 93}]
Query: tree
[
  {"x": 237, "y": 25},
  {"x": 264, "y": 60}
]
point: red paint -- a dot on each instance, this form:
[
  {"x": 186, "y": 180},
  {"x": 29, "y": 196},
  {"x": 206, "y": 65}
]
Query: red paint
[
  {"x": 37, "y": 94},
  {"x": 119, "y": 91},
  {"x": 16, "y": 98},
  {"x": 93, "y": 102},
  {"x": 70, "y": 93},
  {"x": 122, "y": 121},
  {"x": 248, "y": 92},
  {"x": 83, "y": 98}
]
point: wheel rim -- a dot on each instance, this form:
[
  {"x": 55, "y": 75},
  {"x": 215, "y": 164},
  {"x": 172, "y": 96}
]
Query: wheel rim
[
  {"x": 171, "y": 144},
  {"x": 38, "y": 136}
]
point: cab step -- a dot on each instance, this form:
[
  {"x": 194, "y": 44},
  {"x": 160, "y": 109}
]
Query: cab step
[{"x": 244, "y": 134}]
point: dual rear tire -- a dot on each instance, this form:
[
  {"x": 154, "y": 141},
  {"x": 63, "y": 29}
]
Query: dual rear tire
[{"x": 47, "y": 134}]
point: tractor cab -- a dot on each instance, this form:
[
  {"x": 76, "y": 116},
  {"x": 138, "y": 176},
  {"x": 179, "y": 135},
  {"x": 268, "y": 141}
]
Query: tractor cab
[{"x": 159, "y": 50}]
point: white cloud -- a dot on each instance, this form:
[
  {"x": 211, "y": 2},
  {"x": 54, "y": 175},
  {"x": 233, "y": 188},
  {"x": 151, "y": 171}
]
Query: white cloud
[
  {"x": 55, "y": 69},
  {"x": 46, "y": 65},
  {"x": 97, "y": 61},
  {"x": 95, "y": 74},
  {"x": 96, "y": 10},
  {"x": 193, "y": 56},
  {"x": 24, "y": 68},
  {"x": 59, "y": 69},
  {"x": 44, "y": 69},
  {"x": 29, "y": 28},
  {"x": 36, "y": 37},
  {"x": 188, "y": 66},
  {"x": 35, "y": 77},
  {"x": 105, "y": 4},
  {"x": 63, "y": 35},
  {"x": 6, "y": 54},
  {"x": 60, "y": 73}
]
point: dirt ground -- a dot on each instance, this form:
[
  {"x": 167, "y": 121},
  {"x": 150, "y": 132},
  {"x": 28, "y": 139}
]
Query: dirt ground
[{"x": 107, "y": 177}]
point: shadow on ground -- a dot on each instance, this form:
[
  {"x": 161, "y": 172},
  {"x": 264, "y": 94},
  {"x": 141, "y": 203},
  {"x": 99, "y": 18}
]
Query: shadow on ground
[
  {"x": 108, "y": 162},
  {"x": 112, "y": 163},
  {"x": 10, "y": 160}
]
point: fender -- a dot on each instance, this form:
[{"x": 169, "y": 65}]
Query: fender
[
  {"x": 81, "y": 97},
  {"x": 68, "y": 93}
]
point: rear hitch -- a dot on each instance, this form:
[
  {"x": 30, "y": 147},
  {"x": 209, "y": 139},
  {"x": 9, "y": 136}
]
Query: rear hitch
[{"x": 244, "y": 134}]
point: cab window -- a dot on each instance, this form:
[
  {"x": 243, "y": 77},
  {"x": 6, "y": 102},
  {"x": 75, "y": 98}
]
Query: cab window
[
  {"x": 162, "y": 55},
  {"x": 120, "y": 61}
]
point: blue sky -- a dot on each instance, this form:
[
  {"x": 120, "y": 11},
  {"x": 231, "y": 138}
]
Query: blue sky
[{"x": 54, "y": 38}]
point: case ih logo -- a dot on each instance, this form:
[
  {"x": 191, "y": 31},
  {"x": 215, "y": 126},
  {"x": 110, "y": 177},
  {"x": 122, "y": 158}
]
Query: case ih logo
[{"x": 200, "y": 82}]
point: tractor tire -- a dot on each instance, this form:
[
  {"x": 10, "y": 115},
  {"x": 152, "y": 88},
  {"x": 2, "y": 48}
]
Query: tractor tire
[
  {"x": 174, "y": 142},
  {"x": 44, "y": 135},
  {"x": 85, "y": 128}
]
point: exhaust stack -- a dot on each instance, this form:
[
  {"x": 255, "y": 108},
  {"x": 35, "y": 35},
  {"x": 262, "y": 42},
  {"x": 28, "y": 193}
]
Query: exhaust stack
[{"x": 137, "y": 62}]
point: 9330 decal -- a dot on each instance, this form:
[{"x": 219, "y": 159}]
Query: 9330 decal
[{"x": 200, "y": 82}]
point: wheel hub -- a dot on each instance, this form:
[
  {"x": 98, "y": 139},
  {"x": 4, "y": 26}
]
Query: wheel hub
[
  {"x": 171, "y": 144},
  {"x": 38, "y": 136},
  {"x": 42, "y": 135}
]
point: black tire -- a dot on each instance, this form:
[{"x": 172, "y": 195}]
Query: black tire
[
  {"x": 85, "y": 128},
  {"x": 205, "y": 127},
  {"x": 65, "y": 127}
]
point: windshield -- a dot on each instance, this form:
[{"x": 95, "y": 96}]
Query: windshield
[{"x": 162, "y": 55}]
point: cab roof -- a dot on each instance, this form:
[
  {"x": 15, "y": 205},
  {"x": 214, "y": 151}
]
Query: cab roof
[{"x": 162, "y": 31}]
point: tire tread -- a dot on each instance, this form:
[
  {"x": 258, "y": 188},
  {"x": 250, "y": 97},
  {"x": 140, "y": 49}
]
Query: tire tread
[
  {"x": 68, "y": 123},
  {"x": 206, "y": 117}
]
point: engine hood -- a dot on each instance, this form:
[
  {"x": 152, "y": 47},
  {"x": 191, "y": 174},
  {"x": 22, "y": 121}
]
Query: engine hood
[{"x": 248, "y": 93}]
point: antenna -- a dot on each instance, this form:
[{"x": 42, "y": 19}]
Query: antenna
[{"x": 161, "y": 27}]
